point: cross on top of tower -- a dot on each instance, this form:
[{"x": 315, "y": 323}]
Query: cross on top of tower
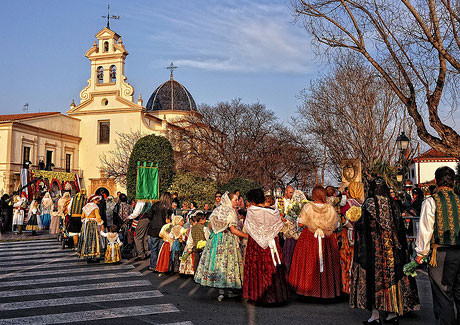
[
  {"x": 110, "y": 17},
  {"x": 171, "y": 68}
]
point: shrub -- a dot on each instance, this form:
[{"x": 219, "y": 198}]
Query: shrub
[
  {"x": 194, "y": 188},
  {"x": 156, "y": 149},
  {"x": 242, "y": 184}
]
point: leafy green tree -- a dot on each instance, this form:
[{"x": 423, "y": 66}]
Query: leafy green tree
[
  {"x": 242, "y": 184},
  {"x": 156, "y": 149},
  {"x": 193, "y": 188}
]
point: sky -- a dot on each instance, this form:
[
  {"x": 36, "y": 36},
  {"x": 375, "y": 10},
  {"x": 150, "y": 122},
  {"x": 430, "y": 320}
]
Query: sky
[{"x": 224, "y": 50}]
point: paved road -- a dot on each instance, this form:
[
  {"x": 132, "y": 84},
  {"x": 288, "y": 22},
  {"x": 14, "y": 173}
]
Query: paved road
[{"x": 42, "y": 284}]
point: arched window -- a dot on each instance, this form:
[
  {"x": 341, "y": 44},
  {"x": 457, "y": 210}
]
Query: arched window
[
  {"x": 106, "y": 46},
  {"x": 113, "y": 73},
  {"x": 100, "y": 75}
]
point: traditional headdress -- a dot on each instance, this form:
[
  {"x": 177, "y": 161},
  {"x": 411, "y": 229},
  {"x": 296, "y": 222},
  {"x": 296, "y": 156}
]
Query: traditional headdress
[{"x": 94, "y": 197}]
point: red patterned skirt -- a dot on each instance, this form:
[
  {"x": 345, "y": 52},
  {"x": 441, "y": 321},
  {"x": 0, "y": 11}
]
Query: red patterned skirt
[
  {"x": 163, "y": 257},
  {"x": 262, "y": 281},
  {"x": 305, "y": 275}
]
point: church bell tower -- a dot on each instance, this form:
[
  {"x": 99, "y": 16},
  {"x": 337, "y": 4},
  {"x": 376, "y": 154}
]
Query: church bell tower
[{"x": 107, "y": 57}]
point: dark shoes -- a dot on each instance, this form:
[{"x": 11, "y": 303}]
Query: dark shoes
[
  {"x": 375, "y": 321},
  {"x": 92, "y": 261},
  {"x": 394, "y": 321}
]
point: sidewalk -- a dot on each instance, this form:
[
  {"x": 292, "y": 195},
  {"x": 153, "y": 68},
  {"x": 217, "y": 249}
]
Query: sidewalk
[{"x": 26, "y": 235}]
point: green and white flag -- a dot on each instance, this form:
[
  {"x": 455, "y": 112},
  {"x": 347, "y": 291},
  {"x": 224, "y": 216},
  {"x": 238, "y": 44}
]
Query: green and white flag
[{"x": 147, "y": 185}]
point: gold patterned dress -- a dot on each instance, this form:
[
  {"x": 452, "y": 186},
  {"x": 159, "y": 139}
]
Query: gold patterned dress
[
  {"x": 112, "y": 254},
  {"x": 89, "y": 242}
]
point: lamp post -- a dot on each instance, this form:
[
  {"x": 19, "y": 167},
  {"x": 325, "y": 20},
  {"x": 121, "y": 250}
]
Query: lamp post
[{"x": 403, "y": 143}]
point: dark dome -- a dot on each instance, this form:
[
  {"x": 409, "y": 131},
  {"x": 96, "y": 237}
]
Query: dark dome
[{"x": 171, "y": 95}]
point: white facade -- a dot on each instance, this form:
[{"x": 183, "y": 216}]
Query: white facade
[{"x": 424, "y": 166}]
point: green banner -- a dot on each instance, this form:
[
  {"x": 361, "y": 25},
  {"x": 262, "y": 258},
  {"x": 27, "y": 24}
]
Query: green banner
[{"x": 147, "y": 182}]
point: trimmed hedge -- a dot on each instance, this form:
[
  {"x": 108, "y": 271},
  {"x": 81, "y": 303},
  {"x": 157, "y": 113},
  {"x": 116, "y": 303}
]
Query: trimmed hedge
[
  {"x": 156, "y": 149},
  {"x": 242, "y": 184},
  {"x": 193, "y": 188}
]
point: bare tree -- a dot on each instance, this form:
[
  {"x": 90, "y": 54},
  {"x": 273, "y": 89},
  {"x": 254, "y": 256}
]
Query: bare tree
[
  {"x": 413, "y": 45},
  {"x": 352, "y": 113},
  {"x": 114, "y": 163},
  {"x": 237, "y": 140}
]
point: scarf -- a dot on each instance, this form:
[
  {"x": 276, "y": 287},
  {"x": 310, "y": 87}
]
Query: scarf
[
  {"x": 223, "y": 215},
  {"x": 89, "y": 207},
  {"x": 263, "y": 225},
  {"x": 319, "y": 216}
]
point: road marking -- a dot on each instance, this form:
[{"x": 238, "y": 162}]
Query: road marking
[
  {"x": 104, "y": 267},
  {"x": 46, "y": 265},
  {"x": 31, "y": 252},
  {"x": 75, "y": 288},
  {"x": 27, "y": 242},
  {"x": 179, "y": 323},
  {"x": 25, "y": 248},
  {"x": 83, "y": 316},
  {"x": 37, "y": 256},
  {"x": 70, "y": 279},
  {"x": 40, "y": 260},
  {"x": 128, "y": 296}
]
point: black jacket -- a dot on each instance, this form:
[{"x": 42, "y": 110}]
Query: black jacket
[{"x": 157, "y": 216}]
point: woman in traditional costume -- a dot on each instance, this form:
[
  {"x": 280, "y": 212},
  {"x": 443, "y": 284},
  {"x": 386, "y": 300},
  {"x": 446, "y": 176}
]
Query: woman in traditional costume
[
  {"x": 378, "y": 282},
  {"x": 34, "y": 222},
  {"x": 63, "y": 202},
  {"x": 89, "y": 243},
  {"x": 315, "y": 268},
  {"x": 354, "y": 194},
  {"x": 265, "y": 276},
  {"x": 19, "y": 208},
  {"x": 178, "y": 245},
  {"x": 46, "y": 207},
  {"x": 221, "y": 264}
]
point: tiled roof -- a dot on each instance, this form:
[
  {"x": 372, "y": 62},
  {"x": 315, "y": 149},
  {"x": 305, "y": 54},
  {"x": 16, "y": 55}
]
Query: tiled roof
[
  {"x": 18, "y": 117},
  {"x": 433, "y": 154}
]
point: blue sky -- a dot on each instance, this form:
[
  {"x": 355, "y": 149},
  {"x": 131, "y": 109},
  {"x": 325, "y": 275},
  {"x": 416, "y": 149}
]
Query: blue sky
[{"x": 224, "y": 50}]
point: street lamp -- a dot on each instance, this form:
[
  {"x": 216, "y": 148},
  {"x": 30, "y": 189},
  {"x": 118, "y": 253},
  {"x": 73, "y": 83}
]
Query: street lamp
[{"x": 403, "y": 143}]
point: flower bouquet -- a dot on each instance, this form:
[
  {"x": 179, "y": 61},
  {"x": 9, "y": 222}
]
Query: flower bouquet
[
  {"x": 201, "y": 244},
  {"x": 353, "y": 214},
  {"x": 295, "y": 208},
  {"x": 409, "y": 269},
  {"x": 184, "y": 256}
]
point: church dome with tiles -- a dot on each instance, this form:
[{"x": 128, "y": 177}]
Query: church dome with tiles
[{"x": 171, "y": 96}]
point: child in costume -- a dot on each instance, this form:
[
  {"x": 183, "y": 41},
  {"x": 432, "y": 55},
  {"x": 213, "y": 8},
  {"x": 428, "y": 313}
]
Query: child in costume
[
  {"x": 165, "y": 251},
  {"x": 198, "y": 234},
  {"x": 187, "y": 259},
  {"x": 112, "y": 254},
  {"x": 178, "y": 244}
]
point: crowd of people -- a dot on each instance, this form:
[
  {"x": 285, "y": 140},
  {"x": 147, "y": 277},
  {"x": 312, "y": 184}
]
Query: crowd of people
[{"x": 331, "y": 245}]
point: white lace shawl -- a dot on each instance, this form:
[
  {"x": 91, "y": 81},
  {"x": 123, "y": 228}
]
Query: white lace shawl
[
  {"x": 223, "y": 216},
  {"x": 263, "y": 224},
  {"x": 90, "y": 207}
]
